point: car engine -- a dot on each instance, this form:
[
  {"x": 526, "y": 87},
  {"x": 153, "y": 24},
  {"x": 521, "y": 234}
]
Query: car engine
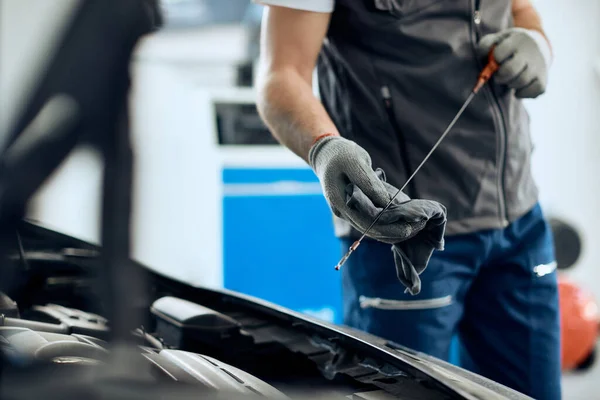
[{"x": 60, "y": 335}]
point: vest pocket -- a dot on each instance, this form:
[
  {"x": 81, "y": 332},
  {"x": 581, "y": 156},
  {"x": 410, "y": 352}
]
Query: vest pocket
[
  {"x": 403, "y": 8},
  {"x": 386, "y": 94},
  {"x": 386, "y": 304}
]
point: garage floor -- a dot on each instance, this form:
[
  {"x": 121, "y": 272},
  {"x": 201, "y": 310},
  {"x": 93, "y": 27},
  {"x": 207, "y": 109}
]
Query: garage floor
[{"x": 582, "y": 386}]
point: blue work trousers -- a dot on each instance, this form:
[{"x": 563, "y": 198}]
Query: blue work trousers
[{"x": 497, "y": 290}]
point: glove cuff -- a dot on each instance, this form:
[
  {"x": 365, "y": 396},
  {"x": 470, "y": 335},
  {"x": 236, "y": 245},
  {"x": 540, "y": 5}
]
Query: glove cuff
[{"x": 317, "y": 147}]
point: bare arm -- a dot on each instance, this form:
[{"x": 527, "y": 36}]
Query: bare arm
[
  {"x": 290, "y": 44},
  {"x": 526, "y": 16}
]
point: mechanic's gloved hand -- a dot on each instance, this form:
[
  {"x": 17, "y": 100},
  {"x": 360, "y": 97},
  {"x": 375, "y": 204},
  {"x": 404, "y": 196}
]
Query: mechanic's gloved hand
[
  {"x": 342, "y": 164},
  {"x": 422, "y": 222},
  {"x": 524, "y": 56},
  {"x": 358, "y": 194}
]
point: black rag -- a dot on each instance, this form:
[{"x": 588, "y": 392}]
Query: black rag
[{"x": 423, "y": 222}]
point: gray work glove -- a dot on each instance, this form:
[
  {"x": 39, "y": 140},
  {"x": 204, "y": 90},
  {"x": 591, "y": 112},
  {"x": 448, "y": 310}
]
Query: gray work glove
[
  {"x": 524, "y": 56},
  {"x": 357, "y": 193},
  {"x": 341, "y": 165}
]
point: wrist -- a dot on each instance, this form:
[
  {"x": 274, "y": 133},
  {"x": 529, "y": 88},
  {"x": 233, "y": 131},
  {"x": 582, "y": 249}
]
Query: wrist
[
  {"x": 323, "y": 136},
  {"x": 319, "y": 143}
]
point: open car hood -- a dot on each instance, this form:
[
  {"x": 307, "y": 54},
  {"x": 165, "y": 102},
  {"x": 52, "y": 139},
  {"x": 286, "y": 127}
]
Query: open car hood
[{"x": 336, "y": 350}]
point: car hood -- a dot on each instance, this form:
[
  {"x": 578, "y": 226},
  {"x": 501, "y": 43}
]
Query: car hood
[{"x": 463, "y": 383}]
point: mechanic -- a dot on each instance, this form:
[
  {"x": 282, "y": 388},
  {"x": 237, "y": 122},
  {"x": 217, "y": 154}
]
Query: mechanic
[{"x": 392, "y": 74}]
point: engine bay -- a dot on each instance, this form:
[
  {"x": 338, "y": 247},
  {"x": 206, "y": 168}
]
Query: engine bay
[
  {"x": 60, "y": 335},
  {"x": 191, "y": 344},
  {"x": 205, "y": 340}
]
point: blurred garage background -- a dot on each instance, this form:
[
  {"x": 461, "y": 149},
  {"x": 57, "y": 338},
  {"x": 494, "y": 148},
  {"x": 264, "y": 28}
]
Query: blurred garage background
[{"x": 213, "y": 189}]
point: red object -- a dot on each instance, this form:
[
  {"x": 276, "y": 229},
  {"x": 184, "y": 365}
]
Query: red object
[
  {"x": 487, "y": 72},
  {"x": 579, "y": 318},
  {"x": 323, "y": 136}
]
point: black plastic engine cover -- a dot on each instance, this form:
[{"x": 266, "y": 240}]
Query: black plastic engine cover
[
  {"x": 190, "y": 368},
  {"x": 8, "y": 307},
  {"x": 23, "y": 346},
  {"x": 71, "y": 320},
  {"x": 186, "y": 325}
]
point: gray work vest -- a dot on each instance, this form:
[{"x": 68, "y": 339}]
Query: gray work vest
[{"x": 392, "y": 75}]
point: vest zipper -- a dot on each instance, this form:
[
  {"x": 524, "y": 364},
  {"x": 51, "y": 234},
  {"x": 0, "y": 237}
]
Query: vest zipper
[
  {"x": 477, "y": 17},
  {"x": 389, "y": 108},
  {"x": 476, "y": 24},
  {"x": 477, "y": 8}
]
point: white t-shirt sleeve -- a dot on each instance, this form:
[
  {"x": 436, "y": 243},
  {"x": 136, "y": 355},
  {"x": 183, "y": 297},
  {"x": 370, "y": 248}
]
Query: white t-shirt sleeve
[{"x": 324, "y": 6}]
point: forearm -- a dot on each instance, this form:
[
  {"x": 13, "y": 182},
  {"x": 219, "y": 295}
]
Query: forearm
[
  {"x": 528, "y": 18},
  {"x": 292, "y": 112}
]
